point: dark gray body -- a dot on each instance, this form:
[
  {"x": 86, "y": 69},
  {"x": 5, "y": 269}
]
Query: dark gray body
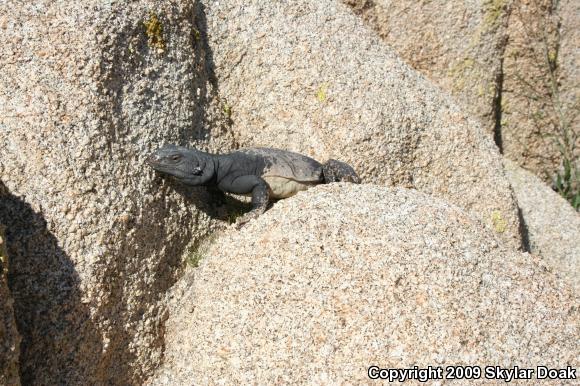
[
  {"x": 284, "y": 172},
  {"x": 263, "y": 173}
]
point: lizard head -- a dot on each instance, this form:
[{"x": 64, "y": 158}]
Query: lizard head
[{"x": 189, "y": 166}]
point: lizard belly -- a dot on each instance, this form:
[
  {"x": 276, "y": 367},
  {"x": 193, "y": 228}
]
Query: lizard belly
[{"x": 281, "y": 187}]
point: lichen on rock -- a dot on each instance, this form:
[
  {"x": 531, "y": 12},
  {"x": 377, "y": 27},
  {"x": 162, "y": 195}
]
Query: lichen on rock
[{"x": 154, "y": 32}]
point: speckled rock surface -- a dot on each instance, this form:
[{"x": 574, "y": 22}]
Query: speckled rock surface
[
  {"x": 569, "y": 53},
  {"x": 494, "y": 57},
  {"x": 310, "y": 77},
  {"x": 87, "y": 90},
  {"x": 9, "y": 336},
  {"x": 553, "y": 226},
  {"x": 540, "y": 118},
  {"x": 457, "y": 44},
  {"x": 342, "y": 276}
]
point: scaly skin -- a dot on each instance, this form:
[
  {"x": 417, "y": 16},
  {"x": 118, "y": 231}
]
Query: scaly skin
[{"x": 248, "y": 171}]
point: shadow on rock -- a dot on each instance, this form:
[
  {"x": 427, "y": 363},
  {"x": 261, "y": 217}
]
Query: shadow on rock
[
  {"x": 60, "y": 344},
  {"x": 210, "y": 200},
  {"x": 201, "y": 23}
]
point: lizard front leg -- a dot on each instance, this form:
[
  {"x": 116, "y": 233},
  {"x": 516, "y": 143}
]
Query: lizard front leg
[{"x": 260, "y": 195}]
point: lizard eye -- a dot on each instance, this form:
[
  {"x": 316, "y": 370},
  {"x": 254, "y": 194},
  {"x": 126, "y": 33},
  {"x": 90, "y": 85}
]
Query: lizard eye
[{"x": 175, "y": 157}]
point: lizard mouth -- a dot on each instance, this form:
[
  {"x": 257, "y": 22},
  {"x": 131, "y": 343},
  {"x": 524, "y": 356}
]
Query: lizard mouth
[
  {"x": 155, "y": 162},
  {"x": 152, "y": 160},
  {"x": 160, "y": 167}
]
